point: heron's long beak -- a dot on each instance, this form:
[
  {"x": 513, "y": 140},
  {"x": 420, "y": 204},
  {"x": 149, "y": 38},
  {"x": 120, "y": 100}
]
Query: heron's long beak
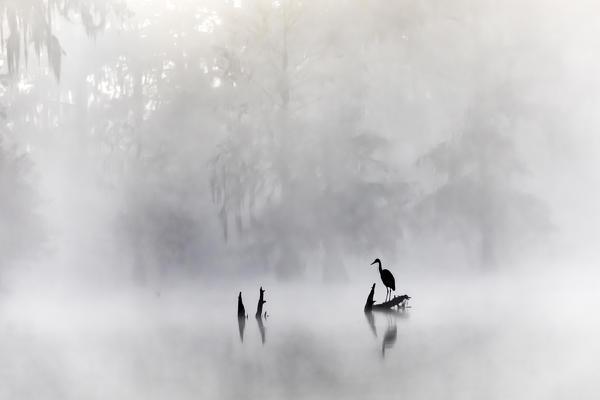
[{"x": 374, "y": 262}]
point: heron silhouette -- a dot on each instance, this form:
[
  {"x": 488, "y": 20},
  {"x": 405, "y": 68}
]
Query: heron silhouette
[{"x": 387, "y": 278}]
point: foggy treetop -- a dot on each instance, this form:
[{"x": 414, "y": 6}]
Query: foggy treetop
[{"x": 151, "y": 139}]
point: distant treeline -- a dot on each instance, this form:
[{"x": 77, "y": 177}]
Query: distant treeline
[{"x": 280, "y": 136}]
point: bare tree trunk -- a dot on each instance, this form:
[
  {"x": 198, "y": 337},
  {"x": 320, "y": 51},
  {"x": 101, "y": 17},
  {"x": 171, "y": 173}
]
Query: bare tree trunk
[
  {"x": 261, "y": 301},
  {"x": 241, "y": 314},
  {"x": 370, "y": 301},
  {"x": 241, "y": 309}
]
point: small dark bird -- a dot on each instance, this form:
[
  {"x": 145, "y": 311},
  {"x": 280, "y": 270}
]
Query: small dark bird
[{"x": 387, "y": 278}]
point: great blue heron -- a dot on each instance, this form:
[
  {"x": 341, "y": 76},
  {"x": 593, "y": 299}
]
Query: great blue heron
[{"x": 387, "y": 278}]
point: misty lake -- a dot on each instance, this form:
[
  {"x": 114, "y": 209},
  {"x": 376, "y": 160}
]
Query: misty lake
[
  {"x": 157, "y": 157},
  {"x": 477, "y": 340}
]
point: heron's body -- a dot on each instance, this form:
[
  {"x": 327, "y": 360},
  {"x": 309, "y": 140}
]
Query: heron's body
[
  {"x": 389, "y": 339},
  {"x": 387, "y": 278}
]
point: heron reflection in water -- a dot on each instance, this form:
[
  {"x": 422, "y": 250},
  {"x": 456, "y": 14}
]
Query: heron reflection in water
[{"x": 391, "y": 334}]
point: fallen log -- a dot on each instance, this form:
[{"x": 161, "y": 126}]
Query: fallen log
[{"x": 396, "y": 301}]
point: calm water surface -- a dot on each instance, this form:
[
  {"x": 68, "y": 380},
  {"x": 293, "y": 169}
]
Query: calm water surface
[{"x": 476, "y": 340}]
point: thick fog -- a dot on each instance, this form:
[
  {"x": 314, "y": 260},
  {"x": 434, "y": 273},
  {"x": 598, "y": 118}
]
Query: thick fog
[{"x": 157, "y": 157}]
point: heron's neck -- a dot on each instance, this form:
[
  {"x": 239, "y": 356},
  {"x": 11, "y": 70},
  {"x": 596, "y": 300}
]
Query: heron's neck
[{"x": 379, "y": 267}]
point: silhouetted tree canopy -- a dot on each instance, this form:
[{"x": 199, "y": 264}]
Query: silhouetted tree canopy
[{"x": 278, "y": 136}]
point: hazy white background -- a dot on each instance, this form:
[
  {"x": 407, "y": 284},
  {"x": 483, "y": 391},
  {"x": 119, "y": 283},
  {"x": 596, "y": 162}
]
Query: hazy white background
[{"x": 157, "y": 157}]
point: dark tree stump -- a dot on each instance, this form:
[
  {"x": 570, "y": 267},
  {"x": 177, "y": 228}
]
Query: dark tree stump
[
  {"x": 241, "y": 314},
  {"x": 261, "y": 301},
  {"x": 370, "y": 301},
  {"x": 241, "y": 309}
]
